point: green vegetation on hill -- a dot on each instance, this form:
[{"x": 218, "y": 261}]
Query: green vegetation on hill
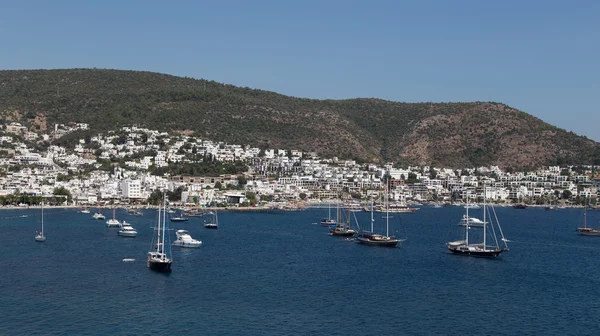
[{"x": 446, "y": 134}]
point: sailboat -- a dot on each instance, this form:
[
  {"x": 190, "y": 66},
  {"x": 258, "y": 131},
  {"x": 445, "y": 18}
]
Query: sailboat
[
  {"x": 214, "y": 224},
  {"x": 328, "y": 221},
  {"x": 113, "y": 222},
  {"x": 98, "y": 215},
  {"x": 39, "y": 237},
  {"x": 585, "y": 230},
  {"x": 342, "y": 229},
  {"x": 158, "y": 259},
  {"x": 371, "y": 238},
  {"x": 488, "y": 247}
]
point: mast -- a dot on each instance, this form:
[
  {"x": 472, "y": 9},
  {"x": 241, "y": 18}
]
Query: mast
[
  {"x": 387, "y": 215},
  {"x": 484, "y": 211},
  {"x": 372, "y": 220},
  {"x": 164, "y": 222},
  {"x": 158, "y": 230},
  {"x": 467, "y": 221},
  {"x": 584, "y": 215},
  {"x": 42, "y": 217}
]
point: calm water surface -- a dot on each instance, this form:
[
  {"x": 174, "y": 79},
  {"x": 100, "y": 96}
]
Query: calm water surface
[{"x": 268, "y": 274}]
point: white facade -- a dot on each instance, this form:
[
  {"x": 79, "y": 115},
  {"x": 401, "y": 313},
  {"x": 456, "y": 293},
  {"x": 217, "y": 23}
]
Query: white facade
[{"x": 131, "y": 189}]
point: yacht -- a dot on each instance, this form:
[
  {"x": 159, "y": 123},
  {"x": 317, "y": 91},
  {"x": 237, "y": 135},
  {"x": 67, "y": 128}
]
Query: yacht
[
  {"x": 159, "y": 258},
  {"x": 98, "y": 215},
  {"x": 185, "y": 240},
  {"x": 127, "y": 231},
  {"x": 471, "y": 221}
]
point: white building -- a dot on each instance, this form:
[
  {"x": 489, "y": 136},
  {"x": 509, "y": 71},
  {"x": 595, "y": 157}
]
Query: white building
[{"x": 131, "y": 189}]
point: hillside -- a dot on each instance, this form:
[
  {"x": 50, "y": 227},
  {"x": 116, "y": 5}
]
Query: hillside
[{"x": 442, "y": 134}]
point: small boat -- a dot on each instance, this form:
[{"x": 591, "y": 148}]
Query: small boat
[
  {"x": 39, "y": 237},
  {"x": 170, "y": 211},
  {"x": 98, "y": 215},
  {"x": 128, "y": 260},
  {"x": 472, "y": 206},
  {"x": 127, "y": 231},
  {"x": 185, "y": 240},
  {"x": 471, "y": 221},
  {"x": 84, "y": 211},
  {"x": 342, "y": 229},
  {"x": 158, "y": 259},
  {"x": 214, "y": 224},
  {"x": 585, "y": 230},
  {"x": 113, "y": 222},
  {"x": 179, "y": 219},
  {"x": 328, "y": 221}
]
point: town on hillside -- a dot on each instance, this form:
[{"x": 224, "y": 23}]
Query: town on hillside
[{"x": 134, "y": 165}]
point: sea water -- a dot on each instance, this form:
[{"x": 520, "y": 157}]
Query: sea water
[{"x": 281, "y": 274}]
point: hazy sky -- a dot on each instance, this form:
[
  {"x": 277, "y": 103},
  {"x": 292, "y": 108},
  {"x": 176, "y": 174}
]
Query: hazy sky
[{"x": 542, "y": 57}]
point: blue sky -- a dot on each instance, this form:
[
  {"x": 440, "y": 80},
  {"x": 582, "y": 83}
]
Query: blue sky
[{"x": 541, "y": 57}]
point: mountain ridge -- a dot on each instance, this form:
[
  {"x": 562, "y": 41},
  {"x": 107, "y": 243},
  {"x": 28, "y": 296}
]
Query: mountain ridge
[{"x": 453, "y": 134}]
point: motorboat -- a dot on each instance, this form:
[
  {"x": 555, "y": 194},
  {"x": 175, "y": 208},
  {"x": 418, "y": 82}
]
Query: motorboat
[
  {"x": 127, "y": 231},
  {"x": 179, "y": 219},
  {"x": 84, "y": 211},
  {"x": 185, "y": 240},
  {"x": 98, "y": 215},
  {"x": 471, "y": 221}
]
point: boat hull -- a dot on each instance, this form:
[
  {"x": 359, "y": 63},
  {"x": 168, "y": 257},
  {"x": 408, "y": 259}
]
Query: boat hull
[
  {"x": 383, "y": 243},
  {"x": 160, "y": 266},
  {"x": 342, "y": 233},
  {"x": 188, "y": 245},
  {"x": 127, "y": 234},
  {"x": 483, "y": 253},
  {"x": 211, "y": 226},
  {"x": 588, "y": 232},
  {"x": 40, "y": 239}
]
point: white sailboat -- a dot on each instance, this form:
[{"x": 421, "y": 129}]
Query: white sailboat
[
  {"x": 158, "y": 259},
  {"x": 328, "y": 221},
  {"x": 488, "y": 247},
  {"x": 113, "y": 222},
  {"x": 39, "y": 237}
]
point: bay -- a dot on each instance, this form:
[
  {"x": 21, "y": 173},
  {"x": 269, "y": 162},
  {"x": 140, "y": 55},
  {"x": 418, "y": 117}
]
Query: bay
[{"x": 280, "y": 274}]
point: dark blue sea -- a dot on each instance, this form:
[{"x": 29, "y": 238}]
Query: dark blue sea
[{"x": 279, "y": 274}]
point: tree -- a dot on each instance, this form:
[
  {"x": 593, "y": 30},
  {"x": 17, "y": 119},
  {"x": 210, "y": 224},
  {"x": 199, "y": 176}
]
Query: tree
[
  {"x": 251, "y": 197},
  {"x": 62, "y": 191},
  {"x": 566, "y": 194},
  {"x": 302, "y": 196},
  {"x": 242, "y": 181},
  {"x": 156, "y": 197},
  {"x": 432, "y": 174},
  {"x": 218, "y": 185}
]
